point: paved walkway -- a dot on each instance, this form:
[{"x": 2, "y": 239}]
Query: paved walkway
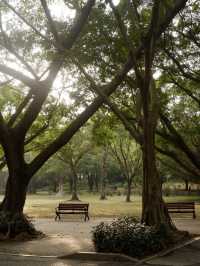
[
  {"x": 69, "y": 236},
  {"x": 185, "y": 256}
]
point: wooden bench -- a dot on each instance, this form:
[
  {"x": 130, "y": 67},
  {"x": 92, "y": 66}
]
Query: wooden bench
[
  {"x": 181, "y": 207},
  {"x": 72, "y": 208}
]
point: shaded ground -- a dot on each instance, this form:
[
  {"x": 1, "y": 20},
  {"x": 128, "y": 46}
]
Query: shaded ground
[
  {"x": 73, "y": 234},
  {"x": 63, "y": 237}
]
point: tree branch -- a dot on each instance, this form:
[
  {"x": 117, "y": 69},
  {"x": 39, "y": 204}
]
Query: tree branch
[
  {"x": 51, "y": 22},
  {"x": 179, "y": 142},
  {"x": 18, "y": 75},
  {"x": 187, "y": 91},
  {"x": 174, "y": 156},
  {"x": 127, "y": 42},
  {"x": 20, "y": 109},
  {"x": 181, "y": 68},
  {"x": 78, "y": 24},
  {"x": 108, "y": 90},
  {"x": 10, "y": 48},
  {"x": 25, "y": 21},
  {"x": 112, "y": 105}
]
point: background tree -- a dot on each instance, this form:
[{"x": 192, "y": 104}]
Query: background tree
[
  {"x": 127, "y": 154},
  {"x": 72, "y": 154}
]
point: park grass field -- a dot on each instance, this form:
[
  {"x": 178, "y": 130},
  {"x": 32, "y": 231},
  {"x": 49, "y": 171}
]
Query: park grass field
[{"x": 43, "y": 206}]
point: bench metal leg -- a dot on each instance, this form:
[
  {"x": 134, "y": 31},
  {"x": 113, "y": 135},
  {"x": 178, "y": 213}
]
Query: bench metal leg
[
  {"x": 57, "y": 216},
  {"x": 87, "y": 216}
]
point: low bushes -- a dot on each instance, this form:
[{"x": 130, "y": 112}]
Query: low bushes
[{"x": 126, "y": 235}]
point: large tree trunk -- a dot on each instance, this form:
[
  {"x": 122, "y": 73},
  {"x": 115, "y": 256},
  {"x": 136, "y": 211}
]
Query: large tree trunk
[
  {"x": 154, "y": 211},
  {"x": 12, "y": 219},
  {"x": 15, "y": 194}
]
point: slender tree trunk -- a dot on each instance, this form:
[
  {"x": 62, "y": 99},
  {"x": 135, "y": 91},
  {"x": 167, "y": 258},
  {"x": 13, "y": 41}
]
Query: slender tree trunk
[
  {"x": 55, "y": 186},
  {"x": 60, "y": 186},
  {"x": 96, "y": 181},
  {"x": 186, "y": 185},
  {"x": 128, "y": 192},
  {"x": 103, "y": 175},
  {"x": 70, "y": 183},
  {"x": 103, "y": 189},
  {"x": 90, "y": 179},
  {"x": 74, "y": 189},
  {"x": 74, "y": 184}
]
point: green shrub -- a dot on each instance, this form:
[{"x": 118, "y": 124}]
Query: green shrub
[{"x": 126, "y": 235}]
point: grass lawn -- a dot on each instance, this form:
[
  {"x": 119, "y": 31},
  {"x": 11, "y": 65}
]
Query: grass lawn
[{"x": 43, "y": 205}]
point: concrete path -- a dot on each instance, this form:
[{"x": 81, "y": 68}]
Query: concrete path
[
  {"x": 185, "y": 256},
  {"x": 6, "y": 260}
]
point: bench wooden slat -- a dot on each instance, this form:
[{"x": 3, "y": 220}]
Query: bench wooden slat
[{"x": 181, "y": 207}]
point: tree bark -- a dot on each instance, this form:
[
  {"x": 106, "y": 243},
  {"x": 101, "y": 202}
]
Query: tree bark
[
  {"x": 154, "y": 211},
  {"x": 15, "y": 194},
  {"x": 18, "y": 179},
  {"x": 12, "y": 219}
]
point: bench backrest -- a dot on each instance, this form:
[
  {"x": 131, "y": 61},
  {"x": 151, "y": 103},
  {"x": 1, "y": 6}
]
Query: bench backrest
[
  {"x": 73, "y": 206},
  {"x": 181, "y": 205}
]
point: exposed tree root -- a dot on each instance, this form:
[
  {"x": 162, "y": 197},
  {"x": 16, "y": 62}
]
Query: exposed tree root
[{"x": 17, "y": 227}]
